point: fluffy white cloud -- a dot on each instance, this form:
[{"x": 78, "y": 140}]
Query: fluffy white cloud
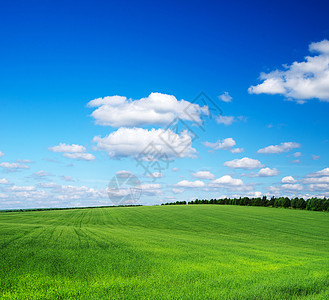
[
  {"x": 62, "y": 147},
  {"x": 13, "y": 166},
  {"x": 150, "y": 189},
  {"x": 319, "y": 187},
  {"x": 4, "y": 181},
  {"x": 288, "y": 179},
  {"x": 225, "y": 181},
  {"x": 324, "y": 172},
  {"x": 154, "y": 144},
  {"x": 244, "y": 163},
  {"x": 301, "y": 80},
  {"x": 322, "y": 179},
  {"x": 73, "y": 151},
  {"x": 1, "y": 154},
  {"x": 283, "y": 147},
  {"x": 225, "y": 97},
  {"x": 226, "y": 120},
  {"x": 67, "y": 178},
  {"x": 267, "y": 172},
  {"x": 190, "y": 184},
  {"x": 156, "y": 109},
  {"x": 203, "y": 175},
  {"x": 225, "y": 144}
]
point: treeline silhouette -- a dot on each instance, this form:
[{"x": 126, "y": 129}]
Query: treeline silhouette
[{"x": 315, "y": 204}]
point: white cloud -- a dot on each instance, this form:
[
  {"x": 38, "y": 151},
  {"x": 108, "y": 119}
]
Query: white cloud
[
  {"x": 203, "y": 175},
  {"x": 296, "y": 161},
  {"x": 237, "y": 150},
  {"x": 48, "y": 185},
  {"x": 4, "y": 181},
  {"x": 67, "y": 178},
  {"x": 244, "y": 163},
  {"x": 323, "y": 179},
  {"x": 155, "y": 175},
  {"x": 16, "y": 188},
  {"x": 73, "y": 151},
  {"x": 297, "y": 154},
  {"x": 13, "y": 166},
  {"x": 190, "y": 184},
  {"x": 156, "y": 109},
  {"x": 319, "y": 187},
  {"x": 154, "y": 144},
  {"x": 41, "y": 173},
  {"x": 301, "y": 80},
  {"x": 178, "y": 191},
  {"x": 288, "y": 179},
  {"x": 292, "y": 187},
  {"x": 80, "y": 156},
  {"x": 123, "y": 174},
  {"x": 225, "y": 144},
  {"x": 324, "y": 172},
  {"x": 225, "y": 181},
  {"x": 62, "y": 147},
  {"x": 175, "y": 169},
  {"x": 225, "y": 97},
  {"x": 226, "y": 120},
  {"x": 150, "y": 189},
  {"x": 1, "y": 154},
  {"x": 267, "y": 172},
  {"x": 283, "y": 147},
  {"x": 316, "y": 157}
]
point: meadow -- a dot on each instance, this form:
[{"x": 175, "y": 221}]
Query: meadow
[{"x": 165, "y": 252}]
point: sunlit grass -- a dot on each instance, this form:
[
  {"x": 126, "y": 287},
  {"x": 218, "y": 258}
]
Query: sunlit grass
[{"x": 167, "y": 252}]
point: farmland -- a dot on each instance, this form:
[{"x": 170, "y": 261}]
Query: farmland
[{"x": 165, "y": 252}]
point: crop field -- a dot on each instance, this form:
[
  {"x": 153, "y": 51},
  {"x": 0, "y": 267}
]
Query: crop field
[{"x": 165, "y": 252}]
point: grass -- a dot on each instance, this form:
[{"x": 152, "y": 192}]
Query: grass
[{"x": 166, "y": 252}]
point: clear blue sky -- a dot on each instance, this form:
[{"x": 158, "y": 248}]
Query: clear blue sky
[{"x": 57, "y": 56}]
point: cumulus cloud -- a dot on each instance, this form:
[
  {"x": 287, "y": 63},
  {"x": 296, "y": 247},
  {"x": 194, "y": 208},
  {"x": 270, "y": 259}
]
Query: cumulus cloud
[
  {"x": 62, "y": 147},
  {"x": 225, "y": 144},
  {"x": 77, "y": 152},
  {"x": 322, "y": 179},
  {"x": 226, "y": 181},
  {"x": 288, "y": 179},
  {"x": 13, "y": 166},
  {"x": 190, "y": 184},
  {"x": 1, "y": 154},
  {"x": 225, "y": 97},
  {"x": 67, "y": 178},
  {"x": 203, "y": 175},
  {"x": 297, "y": 154},
  {"x": 283, "y": 147},
  {"x": 301, "y": 80},
  {"x": 319, "y": 187},
  {"x": 154, "y": 144},
  {"x": 324, "y": 172},
  {"x": 244, "y": 163},
  {"x": 267, "y": 172},
  {"x": 156, "y": 109}
]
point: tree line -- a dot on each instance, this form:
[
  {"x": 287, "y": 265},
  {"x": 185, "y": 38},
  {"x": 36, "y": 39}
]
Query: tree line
[{"x": 315, "y": 204}]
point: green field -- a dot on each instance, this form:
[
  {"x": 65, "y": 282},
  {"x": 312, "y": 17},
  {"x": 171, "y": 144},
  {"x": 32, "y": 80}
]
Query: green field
[{"x": 165, "y": 252}]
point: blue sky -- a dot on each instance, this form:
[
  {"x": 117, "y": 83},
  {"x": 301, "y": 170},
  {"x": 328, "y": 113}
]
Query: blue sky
[{"x": 60, "y": 148}]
